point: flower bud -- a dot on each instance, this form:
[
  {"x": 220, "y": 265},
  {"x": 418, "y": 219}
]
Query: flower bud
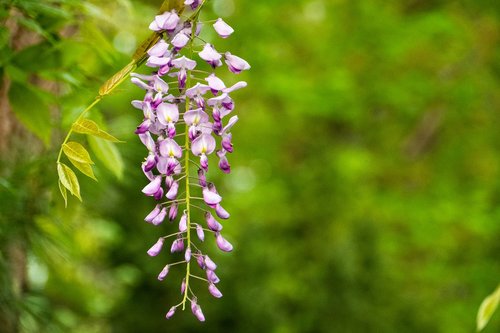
[
  {"x": 155, "y": 249},
  {"x": 163, "y": 273}
]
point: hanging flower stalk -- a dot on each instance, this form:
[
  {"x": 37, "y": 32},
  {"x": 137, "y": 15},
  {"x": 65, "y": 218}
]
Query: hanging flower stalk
[{"x": 187, "y": 118}]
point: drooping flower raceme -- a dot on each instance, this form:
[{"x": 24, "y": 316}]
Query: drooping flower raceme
[{"x": 187, "y": 123}]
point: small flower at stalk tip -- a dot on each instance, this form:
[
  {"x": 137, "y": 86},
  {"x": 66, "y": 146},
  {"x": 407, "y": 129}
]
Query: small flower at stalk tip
[
  {"x": 183, "y": 223},
  {"x": 156, "y": 248},
  {"x": 200, "y": 233},
  {"x": 202, "y": 179},
  {"x": 222, "y": 28},
  {"x": 210, "y": 197},
  {"x": 235, "y": 63},
  {"x": 223, "y": 162},
  {"x": 221, "y": 212},
  {"x": 179, "y": 41},
  {"x": 197, "y": 312},
  {"x": 193, "y": 3},
  {"x": 172, "y": 192},
  {"x": 166, "y": 21},
  {"x": 211, "y": 56},
  {"x": 177, "y": 245},
  {"x": 187, "y": 254},
  {"x": 172, "y": 212},
  {"x": 153, "y": 214},
  {"x": 160, "y": 217},
  {"x": 214, "y": 291},
  {"x": 159, "y": 49},
  {"x": 212, "y": 222},
  {"x": 163, "y": 273},
  {"x": 209, "y": 263},
  {"x": 153, "y": 187},
  {"x": 183, "y": 286},
  {"x": 170, "y": 312},
  {"x": 222, "y": 243},
  {"x": 212, "y": 277}
]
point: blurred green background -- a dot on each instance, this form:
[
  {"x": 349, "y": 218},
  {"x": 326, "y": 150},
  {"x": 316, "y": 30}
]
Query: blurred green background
[{"x": 365, "y": 192}]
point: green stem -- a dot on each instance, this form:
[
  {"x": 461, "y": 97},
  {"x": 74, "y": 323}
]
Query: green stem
[{"x": 186, "y": 162}]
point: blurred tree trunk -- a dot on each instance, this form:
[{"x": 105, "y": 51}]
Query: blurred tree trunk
[{"x": 16, "y": 143}]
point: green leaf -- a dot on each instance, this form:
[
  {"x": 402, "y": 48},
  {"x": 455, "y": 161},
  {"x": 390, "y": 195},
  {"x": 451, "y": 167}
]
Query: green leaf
[
  {"x": 87, "y": 126},
  {"x": 63, "y": 193},
  {"x": 31, "y": 110},
  {"x": 487, "y": 308},
  {"x": 85, "y": 168},
  {"x": 77, "y": 152},
  {"x": 69, "y": 179},
  {"x": 108, "y": 154}
]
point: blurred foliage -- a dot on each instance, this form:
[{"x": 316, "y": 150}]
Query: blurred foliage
[{"x": 365, "y": 187}]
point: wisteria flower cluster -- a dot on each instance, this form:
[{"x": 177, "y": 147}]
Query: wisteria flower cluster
[{"x": 187, "y": 117}]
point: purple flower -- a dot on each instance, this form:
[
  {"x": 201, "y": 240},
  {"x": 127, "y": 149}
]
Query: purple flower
[
  {"x": 163, "y": 166},
  {"x": 223, "y": 162},
  {"x": 212, "y": 222},
  {"x": 221, "y": 212},
  {"x": 214, "y": 291},
  {"x": 149, "y": 163},
  {"x": 167, "y": 113},
  {"x": 197, "y": 311},
  {"x": 210, "y": 197},
  {"x": 209, "y": 263},
  {"x": 183, "y": 223},
  {"x": 212, "y": 277},
  {"x": 172, "y": 212},
  {"x": 203, "y": 145},
  {"x": 170, "y": 312},
  {"x": 153, "y": 214},
  {"x": 200, "y": 233},
  {"x": 166, "y": 21},
  {"x": 163, "y": 273},
  {"x": 170, "y": 148},
  {"x": 160, "y": 217},
  {"x": 193, "y": 3},
  {"x": 177, "y": 245},
  {"x": 159, "y": 49},
  {"x": 236, "y": 64},
  {"x": 153, "y": 187},
  {"x": 180, "y": 40},
  {"x": 155, "y": 249},
  {"x": 196, "y": 93},
  {"x": 211, "y": 56},
  {"x": 223, "y": 244},
  {"x": 183, "y": 64},
  {"x": 172, "y": 192},
  {"x": 222, "y": 28}
]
